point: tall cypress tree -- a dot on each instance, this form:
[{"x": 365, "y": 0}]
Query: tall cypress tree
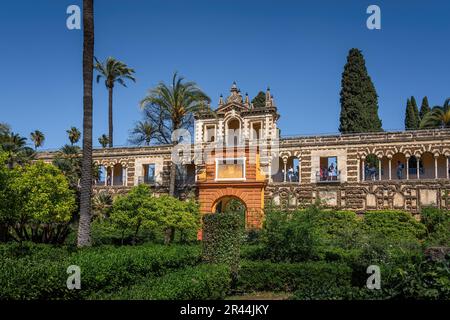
[
  {"x": 424, "y": 108},
  {"x": 416, "y": 112},
  {"x": 260, "y": 100},
  {"x": 359, "y": 100},
  {"x": 410, "y": 116}
]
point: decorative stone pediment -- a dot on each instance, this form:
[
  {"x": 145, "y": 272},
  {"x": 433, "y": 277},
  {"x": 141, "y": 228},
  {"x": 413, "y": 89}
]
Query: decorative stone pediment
[{"x": 233, "y": 101}]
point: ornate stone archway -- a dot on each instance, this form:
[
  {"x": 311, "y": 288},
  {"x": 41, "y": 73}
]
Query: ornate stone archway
[{"x": 251, "y": 194}]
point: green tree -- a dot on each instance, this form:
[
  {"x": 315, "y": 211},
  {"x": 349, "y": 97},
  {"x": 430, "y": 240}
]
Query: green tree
[
  {"x": 5, "y": 129},
  {"x": 68, "y": 160},
  {"x": 416, "y": 112},
  {"x": 134, "y": 210},
  {"x": 38, "y": 138},
  {"x": 103, "y": 140},
  {"x": 359, "y": 100},
  {"x": 143, "y": 133},
  {"x": 171, "y": 107},
  {"x": 410, "y": 116},
  {"x": 84, "y": 225},
  {"x": 438, "y": 117},
  {"x": 113, "y": 71},
  {"x": 43, "y": 203},
  {"x": 5, "y": 197},
  {"x": 101, "y": 205},
  {"x": 260, "y": 100},
  {"x": 16, "y": 149},
  {"x": 74, "y": 135},
  {"x": 424, "y": 108},
  {"x": 176, "y": 215},
  {"x": 139, "y": 209}
]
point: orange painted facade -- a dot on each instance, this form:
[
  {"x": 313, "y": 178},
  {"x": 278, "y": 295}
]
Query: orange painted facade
[{"x": 249, "y": 189}]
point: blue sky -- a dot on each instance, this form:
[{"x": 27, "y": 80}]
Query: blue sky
[{"x": 298, "y": 48}]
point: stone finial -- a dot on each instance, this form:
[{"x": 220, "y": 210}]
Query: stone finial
[
  {"x": 235, "y": 95},
  {"x": 221, "y": 100},
  {"x": 272, "y": 101},
  {"x": 247, "y": 100},
  {"x": 268, "y": 98}
]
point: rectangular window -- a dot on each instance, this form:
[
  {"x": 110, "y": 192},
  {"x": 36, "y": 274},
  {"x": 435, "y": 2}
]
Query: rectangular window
[
  {"x": 256, "y": 130},
  {"x": 210, "y": 133},
  {"x": 230, "y": 169},
  {"x": 328, "y": 170},
  {"x": 149, "y": 173}
]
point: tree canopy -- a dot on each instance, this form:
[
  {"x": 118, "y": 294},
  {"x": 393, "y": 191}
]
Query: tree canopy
[
  {"x": 359, "y": 100},
  {"x": 259, "y": 101}
]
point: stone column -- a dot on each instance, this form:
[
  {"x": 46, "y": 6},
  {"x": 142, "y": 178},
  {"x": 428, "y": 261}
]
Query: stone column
[
  {"x": 106, "y": 175},
  {"x": 363, "y": 171},
  {"x": 379, "y": 169},
  {"x": 435, "y": 167},
  {"x": 418, "y": 167},
  {"x": 300, "y": 171},
  {"x": 446, "y": 167},
  {"x": 285, "y": 171},
  {"x": 407, "y": 168},
  {"x": 124, "y": 175},
  {"x": 390, "y": 168}
]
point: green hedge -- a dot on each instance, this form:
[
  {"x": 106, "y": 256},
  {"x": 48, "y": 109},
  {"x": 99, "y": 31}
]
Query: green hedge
[
  {"x": 309, "y": 277},
  {"x": 222, "y": 238},
  {"x": 437, "y": 223},
  {"x": 292, "y": 236},
  {"x": 393, "y": 224},
  {"x": 202, "y": 282},
  {"x": 105, "y": 269}
]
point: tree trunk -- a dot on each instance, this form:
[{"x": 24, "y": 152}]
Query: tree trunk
[
  {"x": 84, "y": 226},
  {"x": 173, "y": 174},
  {"x": 110, "y": 115}
]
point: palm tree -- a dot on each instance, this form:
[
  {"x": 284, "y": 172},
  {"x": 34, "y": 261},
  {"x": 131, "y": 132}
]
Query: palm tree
[
  {"x": 101, "y": 205},
  {"x": 4, "y": 129},
  {"x": 113, "y": 71},
  {"x": 15, "y": 147},
  {"x": 38, "y": 138},
  {"x": 170, "y": 108},
  {"x": 103, "y": 140},
  {"x": 438, "y": 117},
  {"x": 84, "y": 225},
  {"x": 143, "y": 133},
  {"x": 74, "y": 135},
  {"x": 68, "y": 160}
]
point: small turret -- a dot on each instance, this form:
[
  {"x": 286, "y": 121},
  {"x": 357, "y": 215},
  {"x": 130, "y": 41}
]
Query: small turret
[
  {"x": 268, "y": 98},
  {"x": 247, "y": 101}
]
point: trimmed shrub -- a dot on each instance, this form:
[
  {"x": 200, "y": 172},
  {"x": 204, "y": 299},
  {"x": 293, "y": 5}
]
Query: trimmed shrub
[
  {"x": 202, "y": 282},
  {"x": 108, "y": 268},
  {"x": 292, "y": 236},
  {"x": 393, "y": 224},
  {"x": 24, "y": 279},
  {"x": 309, "y": 277},
  {"x": 341, "y": 228},
  {"x": 222, "y": 238},
  {"x": 37, "y": 275}
]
